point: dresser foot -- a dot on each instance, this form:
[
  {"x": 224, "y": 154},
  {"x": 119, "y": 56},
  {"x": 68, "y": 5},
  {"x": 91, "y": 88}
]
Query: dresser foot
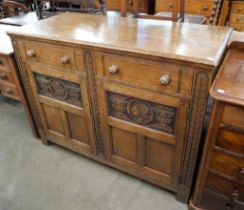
[{"x": 43, "y": 138}]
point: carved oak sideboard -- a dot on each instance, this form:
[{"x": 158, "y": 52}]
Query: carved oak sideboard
[{"x": 129, "y": 93}]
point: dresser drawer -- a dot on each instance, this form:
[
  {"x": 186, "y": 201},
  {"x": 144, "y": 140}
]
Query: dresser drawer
[
  {"x": 6, "y": 76},
  {"x": 237, "y": 18},
  {"x": 233, "y": 115},
  {"x": 161, "y": 77},
  {"x": 60, "y": 57},
  {"x": 9, "y": 90},
  {"x": 227, "y": 188},
  {"x": 231, "y": 140},
  {"x": 228, "y": 166},
  {"x": 3, "y": 63},
  {"x": 238, "y": 7}
]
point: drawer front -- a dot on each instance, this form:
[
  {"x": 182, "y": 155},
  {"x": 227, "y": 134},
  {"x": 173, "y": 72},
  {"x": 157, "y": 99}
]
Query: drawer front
[
  {"x": 50, "y": 55},
  {"x": 232, "y": 190},
  {"x": 238, "y": 7},
  {"x": 231, "y": 140},
  {"x": 237, "y": 26},
  {"x": 199, "y": 7},
  {"x": 9, "y": 90},
  {"x": 6, "y": 76},
  {"x": 214, "y": 201},
  {"x": 3, "y": 63},
  {"x": 164, "y": 6},
  {"x": 233, "y": 115},
  {"x": 228, "y": 166},
  {"x": 237, "y": 18},
  {"x": 160, "y": 77}
]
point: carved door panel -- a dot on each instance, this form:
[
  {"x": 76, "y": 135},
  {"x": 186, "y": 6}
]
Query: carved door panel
[
  {"x": 143, "y": 131},
  {"x": 62, "y": 102}
]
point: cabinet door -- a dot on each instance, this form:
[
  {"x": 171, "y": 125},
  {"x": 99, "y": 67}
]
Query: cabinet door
[
  {"x": 143, "y": 132},
  {"x": 61, "y": 99}
]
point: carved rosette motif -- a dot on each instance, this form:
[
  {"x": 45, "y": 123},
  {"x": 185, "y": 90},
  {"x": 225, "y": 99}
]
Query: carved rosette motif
[
  {"x": 145, "y": 113},
  {"x": 59, "y": 89}
]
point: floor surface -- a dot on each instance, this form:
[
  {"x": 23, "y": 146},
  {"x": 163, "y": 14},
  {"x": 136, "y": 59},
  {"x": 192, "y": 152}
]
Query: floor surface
[{"x": 38, "y": 177}]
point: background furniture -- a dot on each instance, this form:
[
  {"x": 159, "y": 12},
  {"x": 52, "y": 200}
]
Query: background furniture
[
  {"x": 12, "y": 8},
  {"x": 10, "y": 82},
  {"x": 236, "y": 19},
  {"x": 199, "y": 7},
  {"x": 220, "y": 182},
  {"x": 89, "y": 92}
]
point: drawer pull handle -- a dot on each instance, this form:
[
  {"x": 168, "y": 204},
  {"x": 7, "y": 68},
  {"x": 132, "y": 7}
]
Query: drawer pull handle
[
  {"x": 113, "y": 69},
  {"x": 3, "y": 76},
  {"x": 31, "y": 53},
  {"x": 170, "y": 5},
  {"x": 205, "y": 8},
  {"x": 65, "y": 60},
  {"x": 235, "y": 194},
  {"x": 165, "y": 79},
  {"x": 8, "y": 91},
  {"x": 242, "y": 173}
]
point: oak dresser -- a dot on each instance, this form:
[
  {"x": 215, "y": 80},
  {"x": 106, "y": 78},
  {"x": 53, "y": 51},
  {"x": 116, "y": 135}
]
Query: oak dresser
[
  {"x": 10, "y": 83},
  {"x": 130, "y": 93},
  {"x": 220, "y": 182},
  {"x": 237, "y": 15}
]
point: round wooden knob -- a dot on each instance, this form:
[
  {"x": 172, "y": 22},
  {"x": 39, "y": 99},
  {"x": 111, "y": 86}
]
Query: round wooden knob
[
  {"x": 205, "y": 8},
  {"x": 65, "y": 60},
  {"x": 8, "y": 91},
  {"x": 31, "y": 53},
  {"x": 3, "y": 76},
  {"x": 113, "y": 69},
  {"x": 235, "y": 194},
  {"x": 165, "y": 79},
  {"x": 171, "y": 5},
  {"x": 241, "y": 173}
]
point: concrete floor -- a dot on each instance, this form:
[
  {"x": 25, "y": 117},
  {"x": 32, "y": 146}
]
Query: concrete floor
[{"x": 37, "y": 177}]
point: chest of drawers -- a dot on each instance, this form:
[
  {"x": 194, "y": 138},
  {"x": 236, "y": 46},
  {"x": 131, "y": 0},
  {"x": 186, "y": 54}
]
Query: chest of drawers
[
  {"x": 125, "y": 92},
  {"x": 10, "y": 83},
  {"x": 237, "y": 15},
  {"x": 220, "y": 183}
]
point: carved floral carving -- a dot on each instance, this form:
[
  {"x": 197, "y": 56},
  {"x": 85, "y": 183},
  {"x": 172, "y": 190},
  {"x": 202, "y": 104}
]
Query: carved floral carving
[
  {"x": 59, "y": 89},
  {"x": 148, "y": 114}
]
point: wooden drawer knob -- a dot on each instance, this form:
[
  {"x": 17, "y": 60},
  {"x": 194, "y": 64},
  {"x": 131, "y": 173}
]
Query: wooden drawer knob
[
  {"x": 205, "y": 8},
  {"x": 165, "y": 79},
  {"x": 113, "y": 69},
  {"x": 65, "y": 60},
  {"x": 241, "y": 173},
  {"x": 8, "y": 91},
  {"x": 235, "y": 194},
  {"x": 31, "y": 53},
  {"x": 170, "y": 5},
  {"x": 3, "y": 76}
]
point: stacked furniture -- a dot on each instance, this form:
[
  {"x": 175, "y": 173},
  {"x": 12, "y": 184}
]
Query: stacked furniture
[
  {"x": 10, "y": 82},
  {"x": 220, "y": 182},
  {"x": 122, "y": 91}
]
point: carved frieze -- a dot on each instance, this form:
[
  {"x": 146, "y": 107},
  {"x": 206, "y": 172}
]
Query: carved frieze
[
  {"x": 145, "y": 113},
  {"x": 59, "y": 89}
]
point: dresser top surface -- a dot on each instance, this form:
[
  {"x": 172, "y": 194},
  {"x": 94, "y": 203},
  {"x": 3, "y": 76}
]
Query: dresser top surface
[
  {"x": 5, "y": 42},
  {"x": 182, "y": 41},
  {"x": 229, "y": 83}
]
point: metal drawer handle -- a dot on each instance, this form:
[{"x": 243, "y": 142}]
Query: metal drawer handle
[
  {"x": 113, "y": 69},
  {"x": 65, "y": 60},
  {"x": 31, "y": 53},
  {"x": 165, "y": 79},
  {"x": 3, "y": 76},
  {"x": 8, "y": 91},
  {"x": 205, "y": 8}
]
